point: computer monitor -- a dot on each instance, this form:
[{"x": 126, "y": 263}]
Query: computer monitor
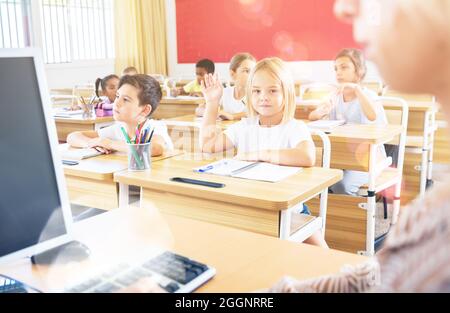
[{"x": 34, "y": 208}]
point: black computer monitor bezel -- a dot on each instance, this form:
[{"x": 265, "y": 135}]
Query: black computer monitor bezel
[{"x": 36, "y": 55}]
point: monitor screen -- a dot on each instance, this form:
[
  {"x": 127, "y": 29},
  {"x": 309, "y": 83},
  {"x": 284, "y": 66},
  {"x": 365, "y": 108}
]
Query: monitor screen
[{"x": 30, "y": 205}]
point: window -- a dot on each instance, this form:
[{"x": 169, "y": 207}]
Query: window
[
  {"x": 77, "y": 30},
  {"x": 15, "y": 23}
]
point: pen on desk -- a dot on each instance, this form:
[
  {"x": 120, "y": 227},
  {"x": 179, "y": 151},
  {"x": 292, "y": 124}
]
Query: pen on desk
[
  {"x": 205, "y": 169},
  {"x": 151, "y": 135}
]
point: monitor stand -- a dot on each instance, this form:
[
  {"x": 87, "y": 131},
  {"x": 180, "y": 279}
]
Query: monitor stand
[{"x": 73, "y": 251}]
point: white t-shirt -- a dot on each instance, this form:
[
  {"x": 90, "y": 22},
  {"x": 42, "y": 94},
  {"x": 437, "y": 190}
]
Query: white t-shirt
[
  {"x": 230, "y": 104},
  {"x": 352, "y": 112},
  {"x": 114, "y": 132},
  {"x": 248, "y": 136}
]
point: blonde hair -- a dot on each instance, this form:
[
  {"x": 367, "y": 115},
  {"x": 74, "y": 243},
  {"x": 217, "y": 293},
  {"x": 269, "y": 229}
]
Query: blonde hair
[
  {"x": 278, "y": 70},
  {"x": 237, "y": 60},
  {"x": 357, "y": 58}
]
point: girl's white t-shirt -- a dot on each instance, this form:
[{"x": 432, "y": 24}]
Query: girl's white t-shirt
[
  {"x": 352, "y": 112},
  {"x": 114, "y": 132},
  {"x": 230, "y": 104},
  {"x": 248, "y": 136}
]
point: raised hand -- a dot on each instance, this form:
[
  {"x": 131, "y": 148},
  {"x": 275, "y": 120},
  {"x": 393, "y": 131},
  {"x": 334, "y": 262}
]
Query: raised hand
[{"x": 212, "y": 88}]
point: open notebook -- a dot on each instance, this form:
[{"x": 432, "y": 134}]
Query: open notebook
[
  {"x": 78, "y": 154},
  {"x": 326, "y": 125},
  {"x": 249, "y": 170}
]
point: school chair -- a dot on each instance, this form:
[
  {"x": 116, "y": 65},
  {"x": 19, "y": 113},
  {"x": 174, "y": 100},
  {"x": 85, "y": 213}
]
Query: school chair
[
  {"x": 351, "y": 219},
  {"x": 421, "y": 135},
  {"x": 388, "y": 176},
  {"x": 376, "y": 86},
  {"x": 388, "y": 92},
  {"x": 317, "y": 91},
  {"x": 299, "y": 226},
  {"x": 61, "y": 98}
]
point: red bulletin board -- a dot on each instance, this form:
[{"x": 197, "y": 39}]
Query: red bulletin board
[{"x": 295, "y": 30}]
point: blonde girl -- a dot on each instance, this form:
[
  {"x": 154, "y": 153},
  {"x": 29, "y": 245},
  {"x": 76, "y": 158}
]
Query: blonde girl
[{"x": 270, "y": 133}]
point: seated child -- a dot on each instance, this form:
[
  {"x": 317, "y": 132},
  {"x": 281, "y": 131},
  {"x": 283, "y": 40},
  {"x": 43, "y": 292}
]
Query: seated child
[
  {"x": 137, "y": 99},
  {"x": 355, "y": 105},
  {"x": 131, "y": 70},
  {"x": 233, "y": 99},
  {"x": 202, "y": 68},
  {"x": 271, "y": 133},
  {"x": 109, "y": 86}
]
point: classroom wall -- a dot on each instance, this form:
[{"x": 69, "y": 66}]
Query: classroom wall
[
  {"x": 316, "y": 70},
  {"x": 68, "y": 75}
]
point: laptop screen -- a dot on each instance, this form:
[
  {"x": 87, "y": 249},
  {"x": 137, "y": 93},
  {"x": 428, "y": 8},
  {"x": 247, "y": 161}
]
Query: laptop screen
[{"x": 30, "y": 208}]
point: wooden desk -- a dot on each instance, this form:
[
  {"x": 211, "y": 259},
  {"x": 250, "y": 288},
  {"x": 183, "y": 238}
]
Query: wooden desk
[
  {"x": 250, "y": 205},
  {"x": 418, "y": 166},
  {"x": 353, "y": 147},
  {"x": 174, "y": 107},
  {"x": 91, "y": 182},
  {"x": 244, "y": 261},
  {"x": 185, "y": 131},
  {"x": 65, "y": 126},
  {"x": 351, "y": 220},
  {"x": 442, "y": 140},
  {"x": 419, "y": 144}
]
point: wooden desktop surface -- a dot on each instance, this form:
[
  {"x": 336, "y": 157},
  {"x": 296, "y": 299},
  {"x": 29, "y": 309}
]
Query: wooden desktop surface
[
  {"x": 350, "y": 144},
  {"x": 91, "y": 182},
  {"x": 65, "y": 126},
  {"x": 194, "y": 121},
  {"x": 244, "y": 261},
  {"x": 79, "y": 120},
  {"x": 245, "y": 204},
  {"x": 174, "y": 107},
  {"x": 269, "y": 196}
]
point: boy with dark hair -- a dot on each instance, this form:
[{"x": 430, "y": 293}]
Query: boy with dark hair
[
  {"x": 202, "y": 68},
  {"x": 137, "y": 99}
]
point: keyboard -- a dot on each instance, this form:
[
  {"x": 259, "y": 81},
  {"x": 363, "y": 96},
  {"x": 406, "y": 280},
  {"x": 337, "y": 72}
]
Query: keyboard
[
  {"x": 8, "y": 285},
  {"x": 174, "y": 273}
]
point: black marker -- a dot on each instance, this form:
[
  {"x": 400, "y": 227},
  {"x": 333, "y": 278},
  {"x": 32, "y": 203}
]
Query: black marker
[{"x": 197, "y": 182}]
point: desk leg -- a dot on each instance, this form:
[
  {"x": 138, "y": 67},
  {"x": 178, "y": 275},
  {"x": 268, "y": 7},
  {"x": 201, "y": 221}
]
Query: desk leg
[
  {"x": 285, "y": 224},
  {"x": 433, "y": 129},
  {"x": 124, "y": 195},
  {"x": 425, "y": 153},
  {"x": 371, "y": 202},
  {"x": 306, "y": 230},
  {"x": 323, "y": 210}
]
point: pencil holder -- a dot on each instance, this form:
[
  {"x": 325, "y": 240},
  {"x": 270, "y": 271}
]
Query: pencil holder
[
  {"x": 88, "y": 111},
  {"x": 139, "y": 157}
]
